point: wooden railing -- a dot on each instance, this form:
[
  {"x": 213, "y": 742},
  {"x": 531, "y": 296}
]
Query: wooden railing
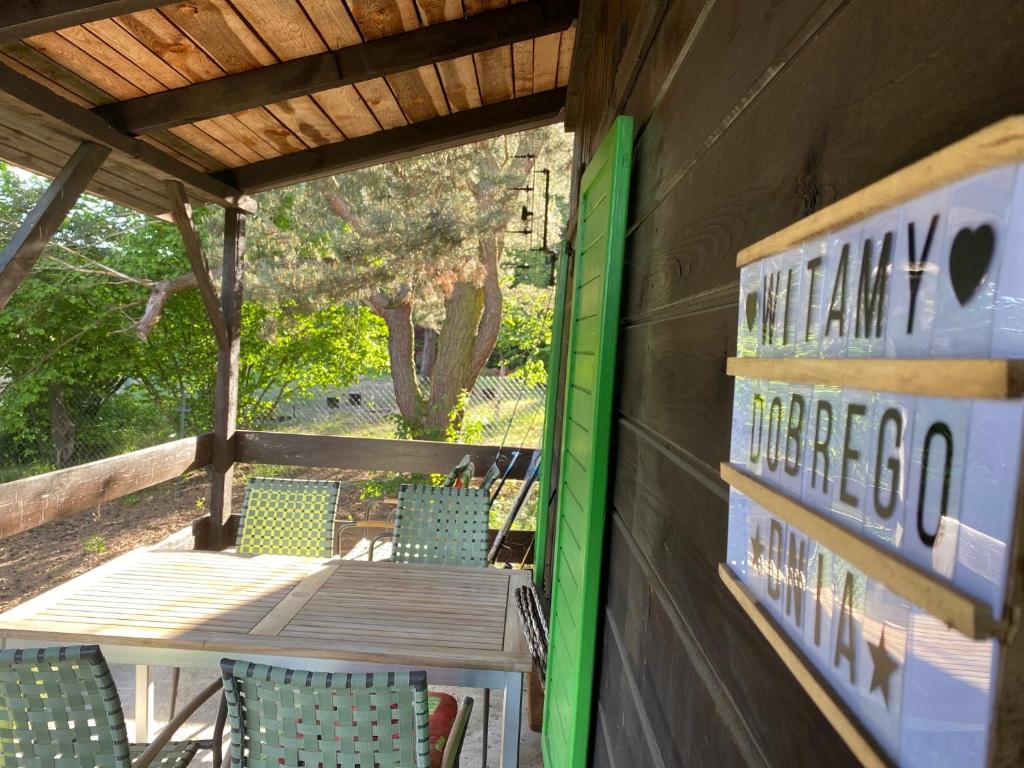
[
  {"x": 412, "y": 456},
  {"x": 35, "y": 500}
]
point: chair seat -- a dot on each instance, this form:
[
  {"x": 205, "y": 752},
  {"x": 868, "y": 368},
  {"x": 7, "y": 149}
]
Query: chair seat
[
  {"x": 177, "y": 754},
  {"x": 443, "y": 710}
]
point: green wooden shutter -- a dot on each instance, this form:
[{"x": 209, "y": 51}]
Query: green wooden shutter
[
  {"x": 583, "y": 471},
  {"x": 548, "y": 445}
]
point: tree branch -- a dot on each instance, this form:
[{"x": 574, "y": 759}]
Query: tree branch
[{"x": 159, "y": 294}]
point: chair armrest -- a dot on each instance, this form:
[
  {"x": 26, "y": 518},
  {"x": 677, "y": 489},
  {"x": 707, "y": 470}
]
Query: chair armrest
[
  {"x": 453, "y": 747},
  {"x": 172, "y": 727}
]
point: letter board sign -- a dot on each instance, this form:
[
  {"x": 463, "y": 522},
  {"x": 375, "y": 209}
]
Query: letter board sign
[{"x": 909, "y": 478}]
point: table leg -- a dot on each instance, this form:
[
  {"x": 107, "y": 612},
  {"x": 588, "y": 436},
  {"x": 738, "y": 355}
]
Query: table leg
[
  {"x": 513, "y": 707},
  {"x": 144, "y": 703}
]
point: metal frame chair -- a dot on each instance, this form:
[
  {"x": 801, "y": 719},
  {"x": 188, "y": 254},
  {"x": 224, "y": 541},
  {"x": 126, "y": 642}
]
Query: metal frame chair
[
  {"x": 60, "y": 707},
  {"x": 288, "y": 517},
  {"x": 284, "y": 716},
  {"x": 441, "y": 526},
  {"x": 281, "y": 516}
]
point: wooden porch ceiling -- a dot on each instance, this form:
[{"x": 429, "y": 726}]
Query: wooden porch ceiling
[{"x": 237, "y": 96}]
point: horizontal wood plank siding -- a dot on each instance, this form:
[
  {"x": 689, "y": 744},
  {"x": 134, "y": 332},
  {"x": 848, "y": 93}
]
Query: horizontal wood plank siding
[{"x": 749, "y": 117}]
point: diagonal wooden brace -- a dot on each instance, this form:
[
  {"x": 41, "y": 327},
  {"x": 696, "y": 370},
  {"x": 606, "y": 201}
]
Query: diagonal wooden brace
[
  {"x": 181, "y": 211},
  {"x": 21, "y": 253}
]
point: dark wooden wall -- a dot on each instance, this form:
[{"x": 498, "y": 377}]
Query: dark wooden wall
[{"x": 750, "y": 114}]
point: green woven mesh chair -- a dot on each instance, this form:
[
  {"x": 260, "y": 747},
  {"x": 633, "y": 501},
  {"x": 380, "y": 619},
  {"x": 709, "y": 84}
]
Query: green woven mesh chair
[
  {"x": 441, "y": 526},
  {"x": 59, "y": 708},
  {"x": 287, "y": 717},
  {"x": 288, "y": 517},
  {"x": 283, "y": 517}
]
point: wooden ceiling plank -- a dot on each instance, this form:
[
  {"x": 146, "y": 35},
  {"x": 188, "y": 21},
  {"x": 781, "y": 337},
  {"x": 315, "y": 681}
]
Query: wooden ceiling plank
[
  {"x": 545, "y": 62},
  {"x": 205, "y": 143},
  {"x": 379, "y": 98},
  {"x": 353, "y": 65},
  {"x": 228, "y": 132},
  {"x": 522, "y": 65},
  {"x": 460, "y": 85},
  {"x": 565, "y": 49},
  {"x": 494, "y": 71},
  {"x": 42, "y": 142},
  {"x": 419, "y": 92},
  {"x": 222, "y": 34},
  {"x": 284, "y": 28},
  {"x": 307, "y": 121},
  {"x": 38, "y": 74},
  {"x": 43, "y": 155},
  {"x": 192, "y": 154},
  {"x": 347, "y": 108},
  {"x": 333, "y": 21},
  {"x": 432, "y": 135},
  {"x": 74, "y": 58},
  {"x": 458, "y": 76},
  {"x": 85, "y": 40},
  {"x": 118, "y": 38},
  {"x": 270, "y": 128},
  {"x": 23, "y": 18},
  {"x": 168, "y": 42},
  {"x": 81, "y": 122}
]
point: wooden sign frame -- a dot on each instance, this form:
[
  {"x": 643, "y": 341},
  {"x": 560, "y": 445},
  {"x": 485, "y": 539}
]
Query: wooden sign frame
[{"x": 990, "y": 379}]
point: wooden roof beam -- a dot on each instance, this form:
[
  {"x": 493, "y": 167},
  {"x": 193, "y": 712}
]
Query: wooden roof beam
[
  {"x": 43, "y": 221},
  {"x": 86, "y": 126},
  {"x": 418, "y": 138},
  {"x": 356, "y": 63},
  {"x": 23, "y": 18}
]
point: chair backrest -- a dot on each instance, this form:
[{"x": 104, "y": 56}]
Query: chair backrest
[
  {"x": 441, "y": 526},
  {"x": 288, "y": 517},
  {"x": 60, "y": 701},
  {"x": 280, "y": 716}
]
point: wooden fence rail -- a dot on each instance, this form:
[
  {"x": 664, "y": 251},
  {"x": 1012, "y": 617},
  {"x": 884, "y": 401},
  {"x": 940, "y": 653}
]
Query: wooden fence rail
[
  {"x": 35, "y": 500},
  {"x": 414, "y": 456}
]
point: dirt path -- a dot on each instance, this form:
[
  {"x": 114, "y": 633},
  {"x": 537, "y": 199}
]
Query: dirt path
[{"x": 43, "y": 557}]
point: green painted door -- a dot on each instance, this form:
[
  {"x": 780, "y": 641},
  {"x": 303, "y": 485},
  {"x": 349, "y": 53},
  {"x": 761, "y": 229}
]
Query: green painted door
[
  {"x": 586, "y": 432},
  {"x": 547, "y": 450}
]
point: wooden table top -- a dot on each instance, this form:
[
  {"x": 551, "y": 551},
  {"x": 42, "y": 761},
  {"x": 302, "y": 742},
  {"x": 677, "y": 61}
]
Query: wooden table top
[{"x": 347, "y": 610}]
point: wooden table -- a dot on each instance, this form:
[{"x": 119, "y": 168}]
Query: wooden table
[{"x": 190, "y": 609}]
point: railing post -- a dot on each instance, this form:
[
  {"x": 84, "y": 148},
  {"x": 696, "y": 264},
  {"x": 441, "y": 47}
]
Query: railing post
[{"x": 226, "y": 398}]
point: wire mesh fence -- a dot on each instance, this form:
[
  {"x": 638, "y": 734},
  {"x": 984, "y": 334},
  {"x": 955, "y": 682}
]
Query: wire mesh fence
[{"x": 500, "y": 410}]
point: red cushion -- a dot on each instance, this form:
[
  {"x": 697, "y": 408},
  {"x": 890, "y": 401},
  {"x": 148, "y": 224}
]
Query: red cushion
[{"x": 443, "y": 709}]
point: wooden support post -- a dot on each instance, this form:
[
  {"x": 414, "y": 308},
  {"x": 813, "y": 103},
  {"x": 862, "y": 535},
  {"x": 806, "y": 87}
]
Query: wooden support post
[
  {"x": 20, "y": 255},
  {"x": 226, "y": 398},
  {"x": 181, "y": 211}
]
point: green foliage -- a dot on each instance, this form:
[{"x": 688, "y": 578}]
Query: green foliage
[
  {"x": 525, "y": 337},
  {"x": 70, "y": 356},
  {"x": 94, "y": 545}
]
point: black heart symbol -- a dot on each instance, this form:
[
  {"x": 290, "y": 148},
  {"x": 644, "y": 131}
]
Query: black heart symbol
[
  {"x": 969, "y": 259},
  {"x": 751, "y": 310}
]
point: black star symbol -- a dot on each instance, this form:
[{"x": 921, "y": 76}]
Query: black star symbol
[
  {"x": 884, "y": 666},
  {"x": 757, "y": 546}
]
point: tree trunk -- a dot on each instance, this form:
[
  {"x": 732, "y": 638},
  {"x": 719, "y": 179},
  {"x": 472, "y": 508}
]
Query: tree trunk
[
  {"x": 62, "y": 428},
  {"x": 397, "y": 315},
  {"x": 428, "y": 356},
  {"x": 453, "y": 369}
]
